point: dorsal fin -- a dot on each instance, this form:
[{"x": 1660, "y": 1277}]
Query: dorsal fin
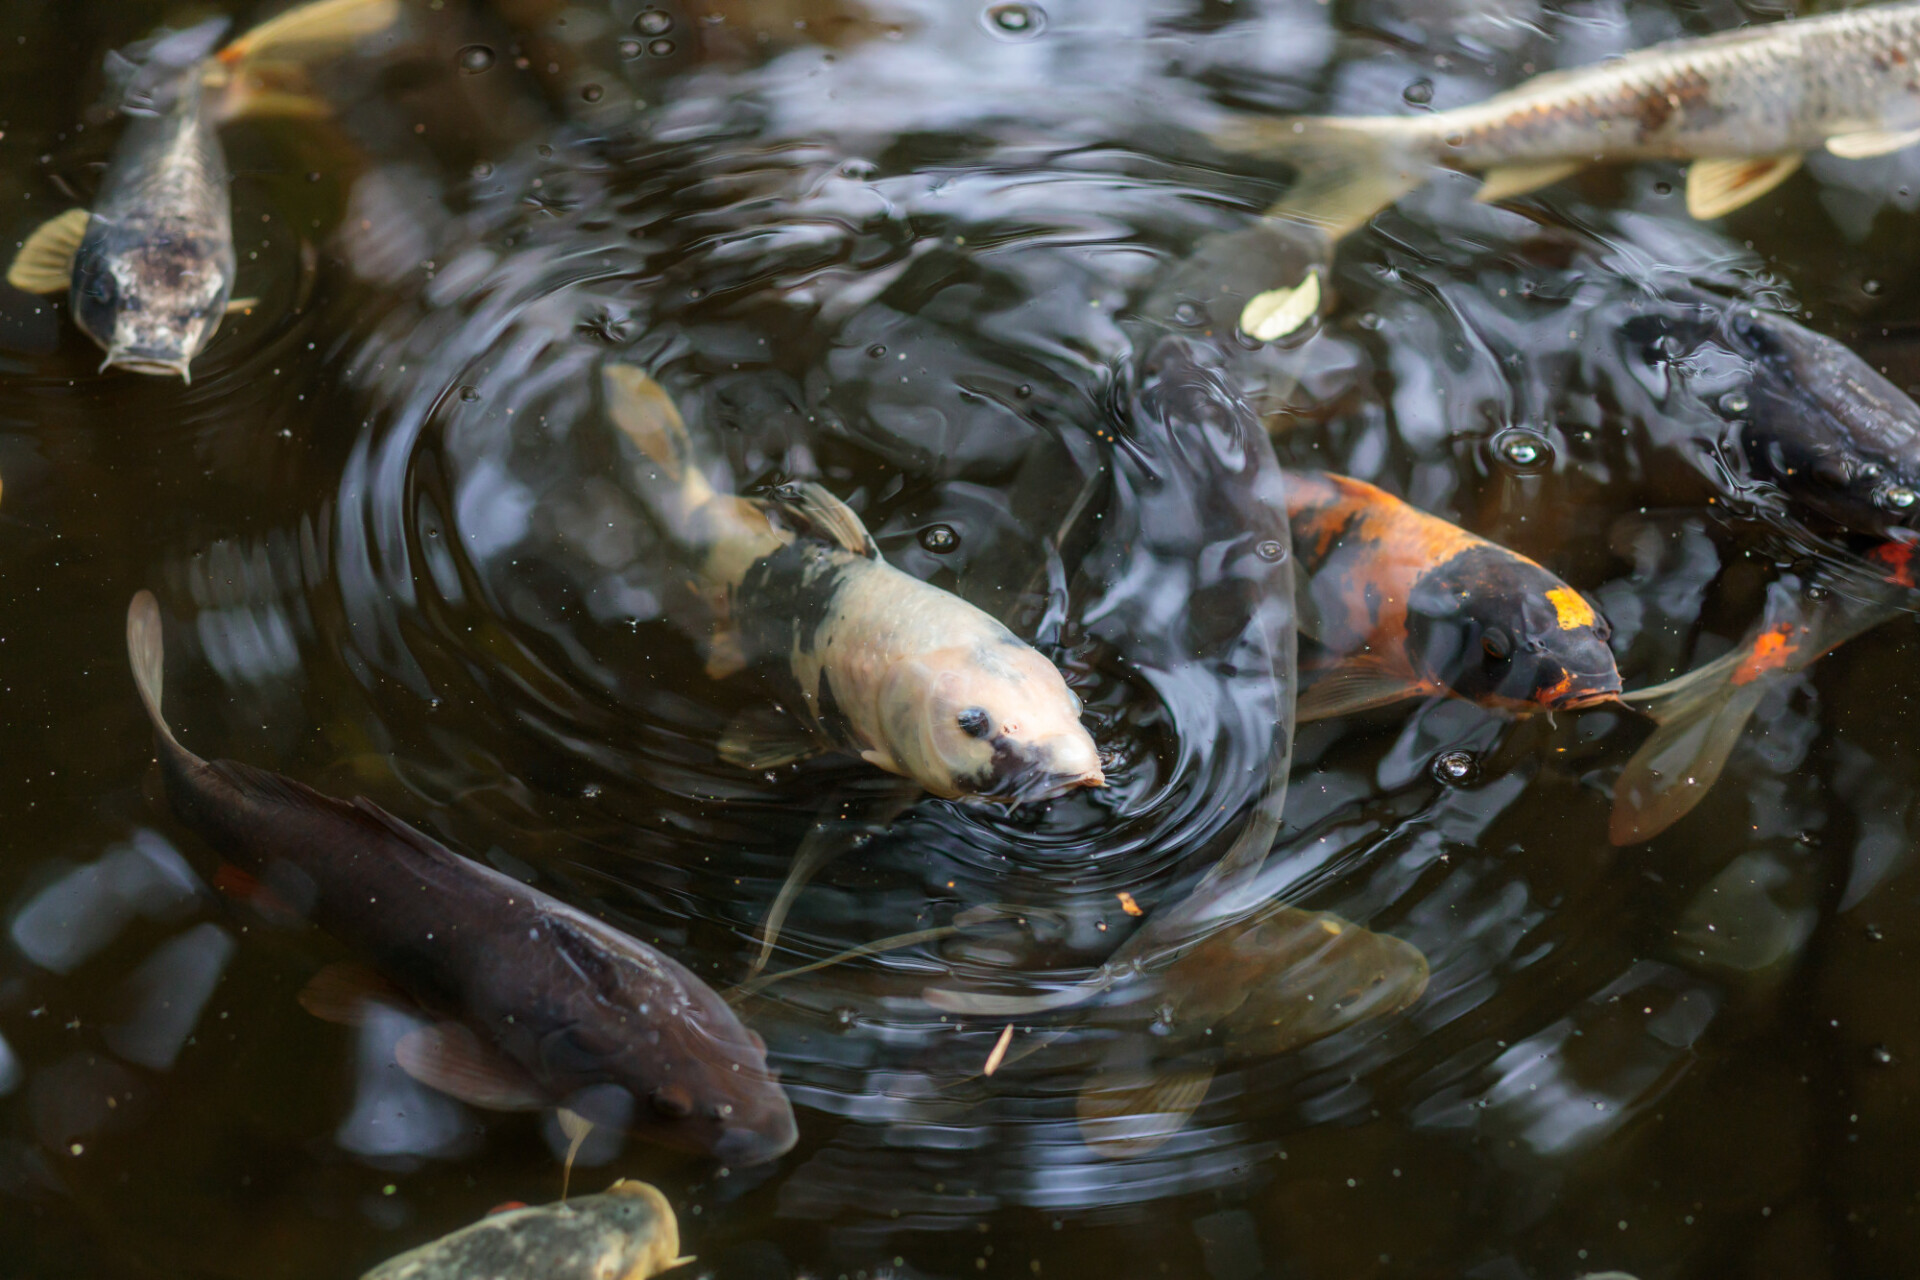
[{"x": 825, "y": 516}]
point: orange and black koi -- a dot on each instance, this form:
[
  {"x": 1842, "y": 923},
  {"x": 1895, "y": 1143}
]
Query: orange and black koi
[{"x": 1406, "y": 605}]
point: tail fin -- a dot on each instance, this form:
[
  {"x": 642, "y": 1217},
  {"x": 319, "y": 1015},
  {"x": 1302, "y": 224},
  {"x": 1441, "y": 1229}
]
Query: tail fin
[
  {"x": 642, "y": 409},
  {"x": 146, "y": 652},
  {"x": 317, "y": 30},
  {"x": 1348, "y": 168}
]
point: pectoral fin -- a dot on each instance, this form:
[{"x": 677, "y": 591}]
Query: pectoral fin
[
  {"x": 237, "y": 305},
  {"x": 452, "y": 1059},
  {"x": 1348, "y": 690},
  {"x": 1129, "y": 1113},
  {"x": 726, "y": 656},
  {"x": 576, "y": 1127},
  {"x": 825, "y": 516},
  {"x": 1510, "y": 180},
  {"x": 45, "y": 262},
  {"x": 766, "y": 738},
  {"x": 1278, "y": 312},
  {"x": 1858, "y": 146},
  {"x": 1675, "y": 767},
  {"x": 341, "y": 992},
  {"x": 314, "y": 30},
  {"x": 1718, "y": 186}
]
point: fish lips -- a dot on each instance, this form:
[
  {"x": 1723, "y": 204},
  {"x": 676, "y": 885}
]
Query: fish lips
[
  {"x": 1022, "y": 776},
  {"x": 157, "y": 363}
]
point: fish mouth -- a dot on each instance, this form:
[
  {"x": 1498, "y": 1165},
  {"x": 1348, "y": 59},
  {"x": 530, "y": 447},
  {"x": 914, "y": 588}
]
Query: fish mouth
[
  {"x": 148, "y": 363},
  {"x": 1044, "y": 785},
  {"x": 1577, "y": 694},
  {"x": 739, "y": 1148}
]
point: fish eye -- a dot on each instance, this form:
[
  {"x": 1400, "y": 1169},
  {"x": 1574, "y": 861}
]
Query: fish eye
[
  {"x": 975, "y": 722},
  {"x": 671, "y": 1101},
  {"x": 1497, "y": 644}
]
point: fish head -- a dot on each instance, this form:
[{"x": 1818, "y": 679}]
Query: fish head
[
  {"x": 1495, "y": 628},
  {"x": 153, "y": 300},
  {"x": 1823, "y": 425},
  {"x": 991, "y": 719}
]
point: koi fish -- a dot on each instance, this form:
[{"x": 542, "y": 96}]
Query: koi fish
[
  {"x": 533, "y": 1002},
  {"x": 911, "y": 679},
  {"x": 150, "y": 268},
  {"x": 627, "y": 1232},
  {"x": 1742, "y": 105},
  {"x": 1406, "y": 605},
  {"x": 1701, "y": 715}
]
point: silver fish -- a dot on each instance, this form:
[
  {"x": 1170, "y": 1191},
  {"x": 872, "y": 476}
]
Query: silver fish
[
  {"x": 910, "y": 678},
  {"x": 1743, "y": 105},
  {"x": 628, "y": 1232},
  {"x": 151, "y": 266}
]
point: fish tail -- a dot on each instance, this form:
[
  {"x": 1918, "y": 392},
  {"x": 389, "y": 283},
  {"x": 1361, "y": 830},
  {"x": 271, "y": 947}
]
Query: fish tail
[
  {"x": 146, "y": 652},
  {"x": 645, "y": 413},
  {"x": 321, "y": 29},
  {"x": 1348, "y": 169}
]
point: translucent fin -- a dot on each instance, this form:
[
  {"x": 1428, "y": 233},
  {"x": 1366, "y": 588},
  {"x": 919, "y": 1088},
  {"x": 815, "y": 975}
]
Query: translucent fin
[
  {"x": 827, "y": 517},
  {"x": 1129, "y": 1113},
  {"x": 316, "y": 30},
  {"x": 643, "y": 410},
  {"x": 1716, "y": 187},
  {"x": 1276, "y": 313},
  {"x": 1348, "y": 169},
  {"x": 341, "y": 992},
  {"x": 825, "y": 842},
  {"x": 981, "y": 1005},
  {"x": 1858, "y": 146},
  {"x": 726, "y": 656},
  {"x": 1510, "y": 180},
  {"x": 764, "y": 738},
  {"x": 146, "y": 653},
  {"x": 452, "y": 1059},
  {"x": 1348, "y": 690},
  {"x": 45, "y": 262},
  {"x": 576, "y": 1127},
  {"x": 1675, "y": 767}
]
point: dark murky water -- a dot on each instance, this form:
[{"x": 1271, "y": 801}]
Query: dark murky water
[{"x": 896, "y": 249}]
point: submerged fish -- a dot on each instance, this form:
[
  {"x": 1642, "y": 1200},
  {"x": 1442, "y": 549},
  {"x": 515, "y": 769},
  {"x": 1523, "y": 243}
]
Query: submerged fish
[
  {"x": 537, "y": 1004},
  {"x": 1811, "y": 418},
  {"x": 1743, "y": 105},
  {"x": 911, "y": 679},
  {"x": 1406, "y": 605},
  {"x": 1701, "y": 715},
  {"x": 628, "y": 1232},
  {"x": 151, "y": 266}
]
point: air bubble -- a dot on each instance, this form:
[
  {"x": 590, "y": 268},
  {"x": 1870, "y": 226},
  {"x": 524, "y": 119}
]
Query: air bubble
[
  {"x": 482, "y": 169},
  {"x": 1271, "y": 551},
  {"x": 1871, "y": 288},
  {"x": 592, "y": 92},
  {"x": 939, "y": 538},
  {"x": 1455, "y": 768},
  {"x": 1898, "y": 497},
  {"x": 1523, "y": 450},
  {"x": 1186, "y": 314},
  {"x": 1663, "y": 188},
  {"x": 1881, "y": 1055},
  {"x": 1015, "y": 21},
  {"x": 1419, "y": 93},
  {"x": 653, "y": 22},
  {"x": 631, "y": 49},
  {"x": 661, "y": 48},
  {"x": 474, "y": 59},
  {"x": 469, "y": 394},
  {"x": 1734, "y": 403},
  {"x": 846, "y": 1015},
  {"x": 877, "y": 350}
]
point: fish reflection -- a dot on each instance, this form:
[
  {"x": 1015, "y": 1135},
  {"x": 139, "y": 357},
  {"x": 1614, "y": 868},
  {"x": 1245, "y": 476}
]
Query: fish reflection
[
  {"x": 151, "y": 266},
  {"x": 1702, "y": 714},
  {"x": 1406, "y": 605},
  {"x": 535, "y": 1004},
  {"x": 628, "y": 1232},
  {"x": 910, "y": 678},
  {"x": 1743, "y": 105}
]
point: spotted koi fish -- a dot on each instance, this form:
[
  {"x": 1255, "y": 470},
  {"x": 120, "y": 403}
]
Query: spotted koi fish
[
  {"x": 1405, "y": 605},
  {"x": 1742, "y": 105},
  {"x": 1701, "y": 715},
  {"x": 910, "y": 678}
]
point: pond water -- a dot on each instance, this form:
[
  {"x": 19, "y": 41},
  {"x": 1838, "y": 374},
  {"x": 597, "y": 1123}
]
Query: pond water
[{"x": 904, "y": 248}]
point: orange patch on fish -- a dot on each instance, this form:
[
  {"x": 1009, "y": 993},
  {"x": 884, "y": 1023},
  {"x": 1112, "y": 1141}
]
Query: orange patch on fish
[
  {"x": 1571, "y": 608},
  {"x": 1896, "y": 557},
  {"x": 507, "y": 1206},
  {"x": 1772, "y": 650},
  {"x": 1128, "y": 905}
]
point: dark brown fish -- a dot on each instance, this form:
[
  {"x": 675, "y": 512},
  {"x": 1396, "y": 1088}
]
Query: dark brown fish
[
  {"x": 539, "y": 1004},
  {"x": 1406, "y": 605}
]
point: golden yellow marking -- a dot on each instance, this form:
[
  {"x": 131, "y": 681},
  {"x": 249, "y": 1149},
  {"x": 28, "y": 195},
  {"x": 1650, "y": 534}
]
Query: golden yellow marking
[
  {"x": 1128, "y": 905},
  {"x": 1571, "y": 608}
]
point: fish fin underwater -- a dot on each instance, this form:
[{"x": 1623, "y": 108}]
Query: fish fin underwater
[
  {"x": 1347, "y": 169},
  {"x": 1132, "y": 1112},
  {"x": 45, "y": 262},
  {"x": 342, "y": 993},
  {"x": 826, "y": 517},
  {"x": 1352, "y": 687},
  {"x": 767, "y": 738},
  {"x": 1861, "y": 146},
  {"x": 450, "y": 1058},
  {"x": 1716, "y": 186},
  {"x": 646, "y": 415},
  {"x": 321, "y": 29},
  {"x": 1276, "y": 313},
  {"x": 147, "y": 653},
  {"x": 1509, "y": 181}
]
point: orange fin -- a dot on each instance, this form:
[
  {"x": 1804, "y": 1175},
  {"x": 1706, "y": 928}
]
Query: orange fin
[
  {"x": 452, "y": 1059},
  {"x": 341, "y": 992},
  {"x": 244, "y": 886}
]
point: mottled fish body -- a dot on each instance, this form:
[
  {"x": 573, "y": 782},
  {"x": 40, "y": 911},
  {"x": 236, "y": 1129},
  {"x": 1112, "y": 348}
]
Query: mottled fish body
[
  {"x": 906, "y": 676},
  {"x": 1743, "y": 105},
  {"x": 1405, "y": 604},
  {"x": 538, "y": 1003},
  {"x": 628, "y": 1232}
]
